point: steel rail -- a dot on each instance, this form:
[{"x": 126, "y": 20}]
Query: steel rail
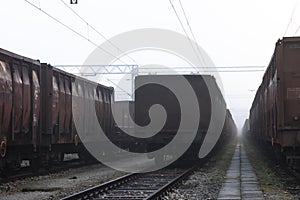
[
  {"x": 166, "y": 188},
  {"x": 129, "y": 187},
  {"x": 96, "y": 190}
]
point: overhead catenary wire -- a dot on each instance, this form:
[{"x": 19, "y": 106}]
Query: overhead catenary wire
[
  {"x": 98, "y": 32},
  {"x": 297, "y": 28},
  {"x": 118, "y": 86},
  {"x": 122, "y": 69},
  {"x": 188, "y": 23},
  {"x": 176, "y": 67},
  {"x": 73, "y": 30},
  {"x": 185, "y": 32},
  {"x": 291, "y": 19}
]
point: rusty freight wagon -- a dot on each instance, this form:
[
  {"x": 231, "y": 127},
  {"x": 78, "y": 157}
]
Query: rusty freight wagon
[
  {"x": 124, "y": 115},
  {"x": 148, "y": 94},
  {"x": 275, "y": 112},
  {"x": 246, "y": 128},
  {"x": 124, "y": 124},
  {"x": 19, "y": 107},
  {"x": 36, "y": 118}
]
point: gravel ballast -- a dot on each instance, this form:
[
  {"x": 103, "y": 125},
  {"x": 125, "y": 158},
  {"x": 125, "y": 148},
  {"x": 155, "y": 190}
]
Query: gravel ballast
[
  {"x": 57, "y": 185},
  {"x": 206, "y": 182}
]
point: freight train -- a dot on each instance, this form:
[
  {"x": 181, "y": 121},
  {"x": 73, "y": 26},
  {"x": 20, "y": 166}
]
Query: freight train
[
  {"x": 275, "y": 111},
  {"x": 148, "y": 94},
  {"x": 246, "y": 128},
  {"x": 37, "y": 116},
  {"x": 36, "y": 119}
]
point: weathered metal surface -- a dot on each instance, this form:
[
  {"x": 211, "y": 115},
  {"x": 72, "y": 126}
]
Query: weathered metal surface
[
  {"x": 79, "y": 106},
  {"x": 101, "y": 108},
  {"x": 91, "y": 101},
  {"x": 26, "y": 118},
  {"x": 17, "y": 100},
  {"x": 96, "y": 103},
  {"x": 275, "y": 112},
  {"x": 106, "y": 110},
  {"x": 151, "y": 94},
  {"x": 55, "y": 104},
  {"x": 36, "y": 108},
  {"x": 68, "y": 96},
  {"x": 62, "y": 105},
  {"x": 5, "y": 98},
  {"x": 112, "y": 107},
  {"x": 86, "y": 108},
  {"x": 123, "y": 117},
  {"x": 148, "y": 95},
  {"x": 74, "y": 106},
  {"x": 46, "y": 103},
  {"x": 36, "y": 98}
]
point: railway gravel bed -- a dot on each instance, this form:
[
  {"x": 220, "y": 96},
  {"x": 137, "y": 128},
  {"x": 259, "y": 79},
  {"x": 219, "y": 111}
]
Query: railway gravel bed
[
  {"x": 66, "y": 182},
  {"x": 206, "y": 182},
  {"x": 57, "y": 185},
  {"x": 151, "y": 185},
  {"x": 274, "y": 179}
]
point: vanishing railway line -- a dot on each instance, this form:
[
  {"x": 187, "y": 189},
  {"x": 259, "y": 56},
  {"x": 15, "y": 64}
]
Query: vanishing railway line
[{"x": 134, "y": 186}]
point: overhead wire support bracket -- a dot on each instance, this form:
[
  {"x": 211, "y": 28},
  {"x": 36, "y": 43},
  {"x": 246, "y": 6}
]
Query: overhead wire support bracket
[{"x": 88, "y": 70}]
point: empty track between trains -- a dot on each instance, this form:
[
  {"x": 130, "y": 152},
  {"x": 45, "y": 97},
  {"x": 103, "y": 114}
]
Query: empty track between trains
[{"x": 134, "y": 186}]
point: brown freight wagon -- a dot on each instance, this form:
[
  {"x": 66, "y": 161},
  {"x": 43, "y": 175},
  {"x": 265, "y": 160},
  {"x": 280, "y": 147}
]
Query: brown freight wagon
[
  {"x": 19, "y": 107},
  {"x": 148, "y": 94},
  {"x": 36, "y": 119},
  {"x": 275, "y": 112},
  {"x": 124, "y": 123},
  {"x": 246, "y": 128},
  {"x": 122, "y": 116}
]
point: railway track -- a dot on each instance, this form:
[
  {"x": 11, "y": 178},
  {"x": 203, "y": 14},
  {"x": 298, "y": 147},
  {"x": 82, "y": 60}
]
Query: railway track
[{"x": 135, "y": 186}]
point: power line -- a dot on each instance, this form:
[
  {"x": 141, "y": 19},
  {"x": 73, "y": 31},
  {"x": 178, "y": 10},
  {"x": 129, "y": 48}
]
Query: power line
[
  {"x": 93, "y": 70},
  {"x": 123, "y": 90},
  {"x": 187, "y": 21},
  {"x": 98, "y": 32},
  {"x": 291, "y": 19},
  {"x": 298, "y": 26},
  {"x": 184, "y": 30},
  {"x": 239, "y": 71},
  {"x": 297, "y": 30},
  {"x": 178, "y": 67},
  {"x": 72, "y": 30}
]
